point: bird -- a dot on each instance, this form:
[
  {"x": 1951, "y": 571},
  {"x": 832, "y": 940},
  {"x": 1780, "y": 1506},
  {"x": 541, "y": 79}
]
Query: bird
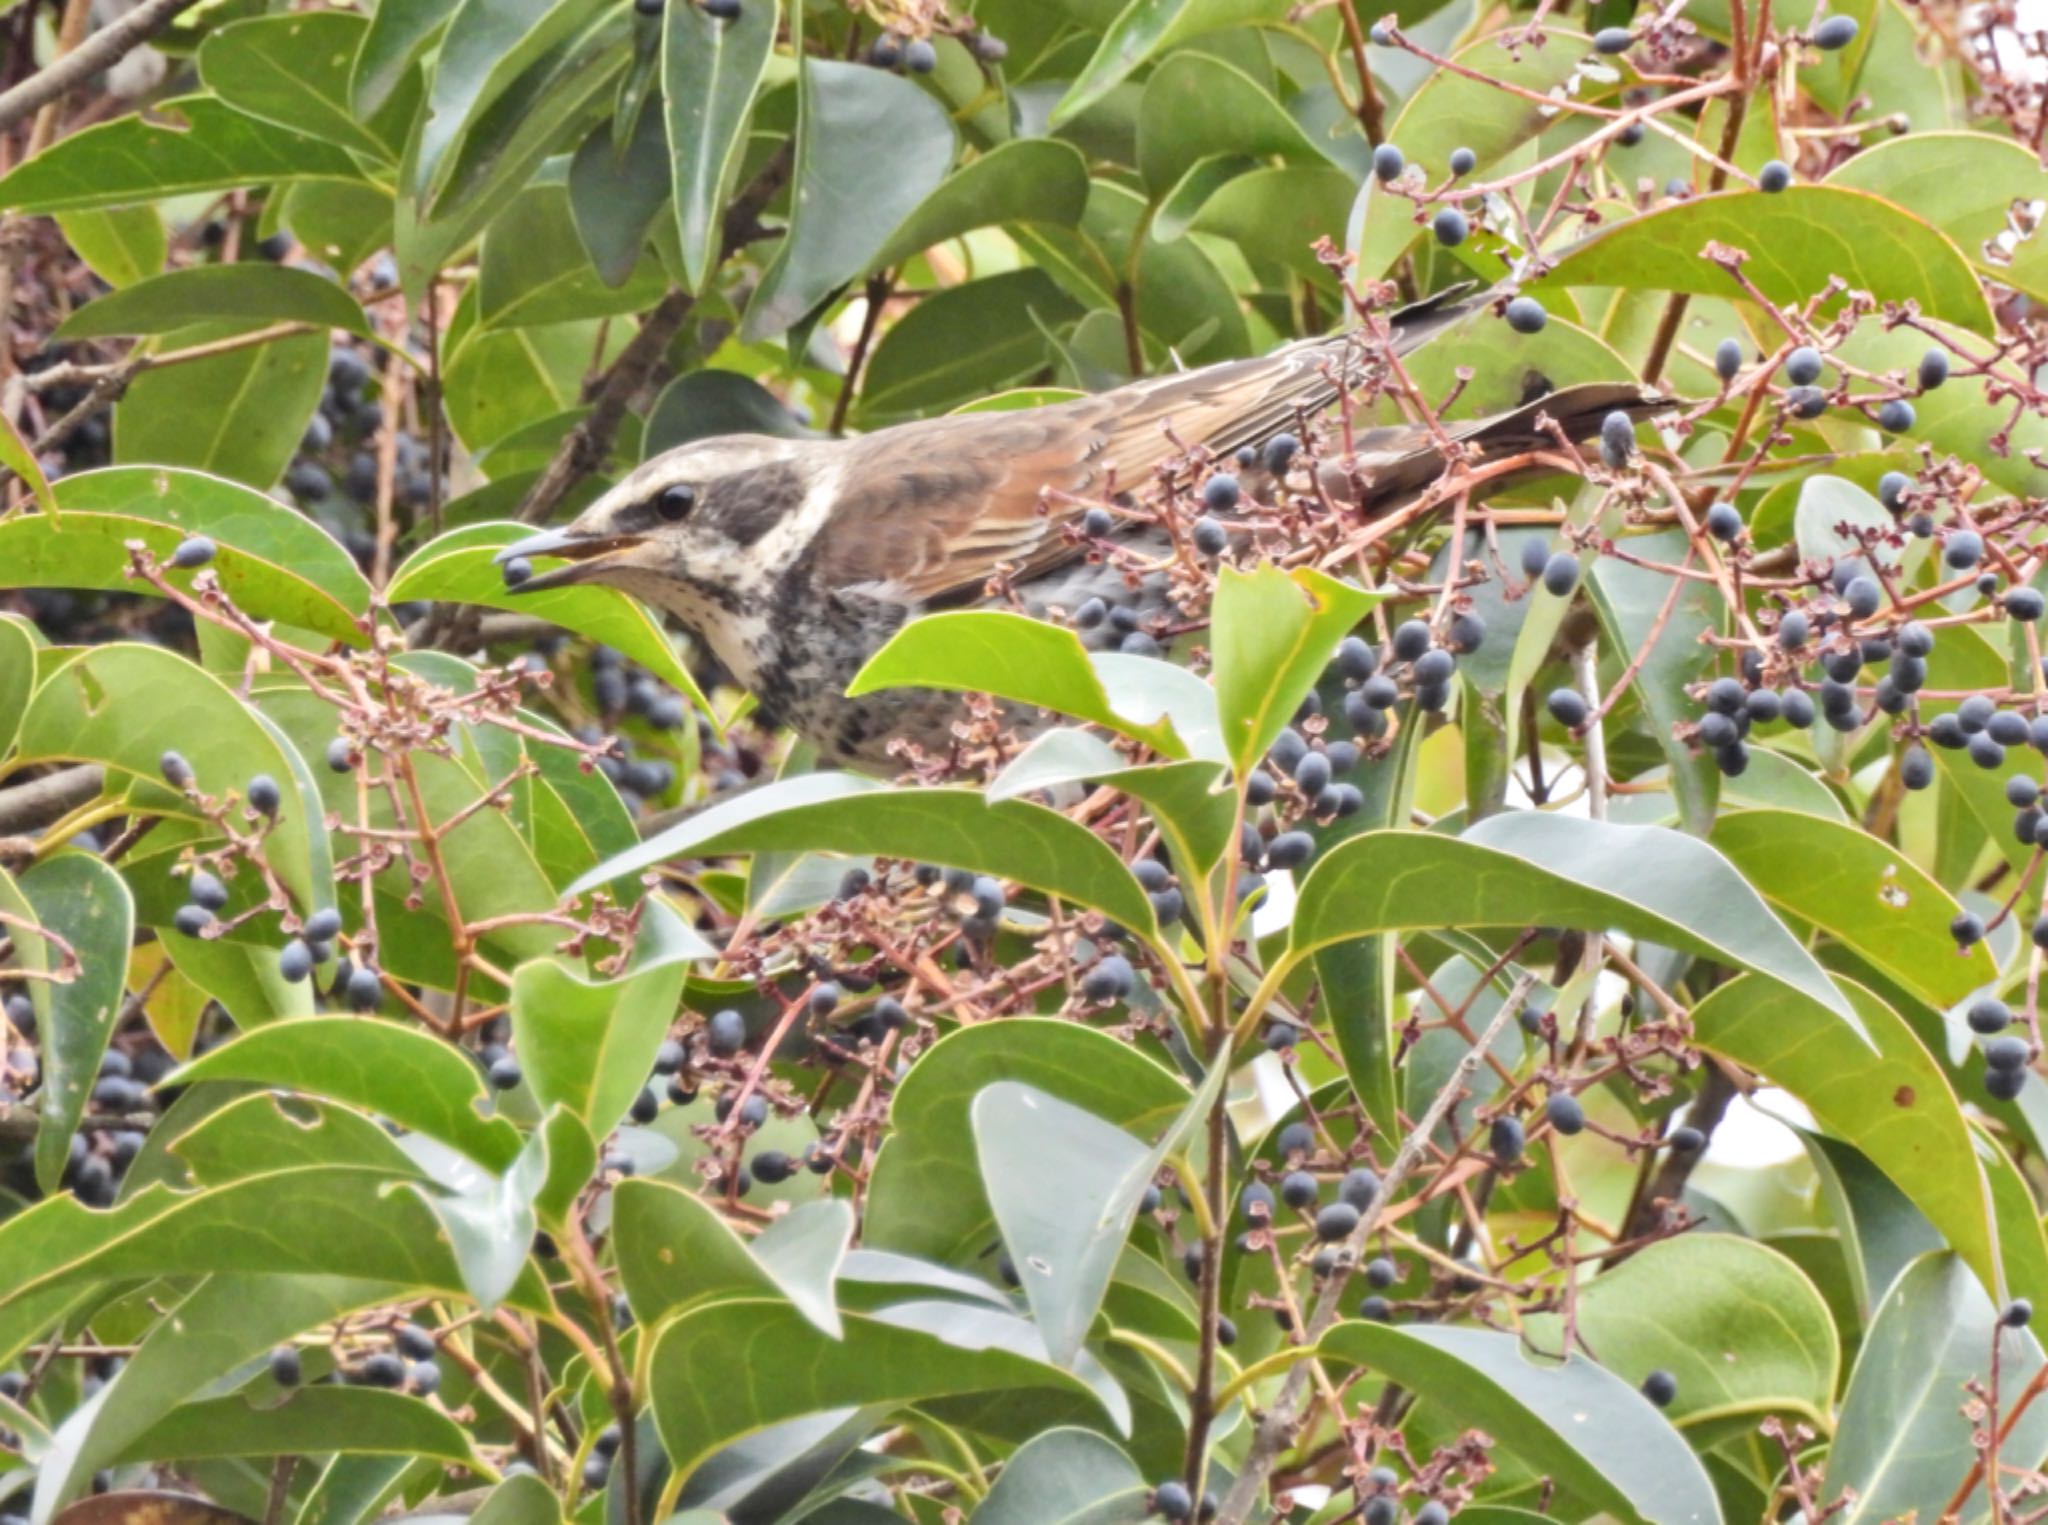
[{"x": 796, "y": 560}]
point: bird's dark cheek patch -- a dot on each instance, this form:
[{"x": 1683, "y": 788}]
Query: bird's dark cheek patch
[{"x": 748, "y": 504}]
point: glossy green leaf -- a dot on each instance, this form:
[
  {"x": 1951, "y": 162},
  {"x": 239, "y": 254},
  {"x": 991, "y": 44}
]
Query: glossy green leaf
[
  {"x": 255, "y": 1134},
  {"x": 340, "y": 224},
  {"x": 1196, "y": 106},
  {"x": 1271, "y": 634},
  {"x": 369, "y": 1421},
  {"x": 82, "y": 900},
  {"x": 1750, "y": 1336},
  {"x": 226, "y": 1320},
  {"x": 848, "y": 199},
  {"x": 920, "y": 365},
  {"x": 1451, "y": 111},
  {"x": 1904, "y": 1442},
  {"x": 840, "y": 812},
  {"x": 707, "y": 403},
  {"x": 1859, "y": 889},
  {"x": 1011, "y": 656},
  {"x": 1796, "y": 240},
  {"x": 1891, "y": 1101},
  {"x": 589, "y": 1045},
  {"x": 293, "y": 71},
  {"x": 1025, "y": 180},
  {"x": 877, "y": 1360},
  {"x": 710, "y": 71},
  {"x": 1066, "y": 1477},
  {"x": 240, "y": 414},
  {"x": 194, "y": 144},
  {"x": 397, "y": 35},
  {"x": 1276, "y": 217},
  {"x": 926, "y": 1196},
  {"x": 456, "y": 568},
  {"x": 1598, "y": 1440},
  {"x": 1145, "y": 28},
  {"x": 1065, "y": 1187},
  {"x": 122, "y": 245},
  {"x": 119, "y": 704},
  {"x": 615, "y": 194},
  {"x": 398, "y": 1071},
  {"x": 274, "y": 564},
  {"x": 249, "y": 296},
  {"x": 676, "y": 1253},
  {"x": 1527, "y": 868},
  {"x": 1630, "y": 602},
  {"x": 489, "y": 1220},
  {"x": 535, "y": 268},
  {"x": 17, "y": 677},
  {"x": 1964, "y": 183}
]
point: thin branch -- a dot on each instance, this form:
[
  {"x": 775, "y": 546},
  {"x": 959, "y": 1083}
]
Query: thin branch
[{"x": 97, "y": 52}]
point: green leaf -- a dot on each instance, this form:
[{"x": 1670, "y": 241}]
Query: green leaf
[
  {"x": 1826, "y": 504},
  {"x": 1012, "y": 656},
  {"x": 489, "y": 1220},
  {"x": 1456, "y": 110},
  {"x": 707, "y": 403},
  {"x": 1272, "y": 633},
  {"x": 1145, "y": 28},
  {"x": 1526, "y": 868},
  {"x": 1024, "y": 180},
  {"x": 193, "y": 144},
  {"x": 1891, "y": 1100},
  {"x": 535, "y": 270},
  {"x": 1066, "y": 1477},
  {"x": 920, "y": 365},
  {"x": 1750, "y": 1336},
  {"x": 240, "y": 414},
  {"x": 1860, "y": 890},
  {"x": 1276, "y": 216},
  {"x": 254, "y": 1135},
  {"x": 877, "y": 1360},
  {"x": 293, "y": 71},
  {"x": 843, "y": 813},
  {"x": 362, "y": 1420},
  {"x": 226, "y": 1321},
  {"x": 676, "y": 1254},
  {"x": 250, "y": 296},
  {"x": 340, "y": 224},
  {"x": 589, "y": 1045},
  {"x": 616, "y": 194},
  {"x": 1964, "y": 183},
  {"x": 1630, "y": 601},
  {"x": 489, "y": 45},
  {"x": 82, "y": 900},
  {"x": 17, "y": 677},
  {"x": 1592, "y": 1434},
  {"x": 1065, "y": 1188},
  {"x": 396, "y": 37},
  {"x": 926, "y": 1197},
  {"x": 1796, "y": 240},
  {"x": 274, "y": 564},
  {"x": 121, "y": 245},
  {"x": 848, "y": 199},
  {"x": 1196, "y": 106},
  {"x": 418, "y": 1081},
  {"x": 118, "y": 704},
  {"x": 456, "y": 568},
  {"x": 1904, "y": 1441},
  {"x": 710, "y": 71}
]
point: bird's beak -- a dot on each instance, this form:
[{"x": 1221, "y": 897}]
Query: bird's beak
[{"x": 585, "y": 553}]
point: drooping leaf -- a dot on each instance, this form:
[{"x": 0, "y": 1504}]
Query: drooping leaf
[
  {"x": 1529, "y": 868},
  {"x": 1904, "y": 1441},
  {"x": 250, "y": 296},
  {"x": 1599, "y": 1440},
  {"x": 1025, "y": 180},
  {"x": 1890, "y": 1100},
  {"x": 616, "y": 194},
  {"x": 848, "y": 199},
  {"x": 1796, "y": 240},
  {"x": 535, "y": 268},
  {"x": 839, "y": 812},
  {"x": 77, "y": 897},
  {"x": 710, "y": 71}
]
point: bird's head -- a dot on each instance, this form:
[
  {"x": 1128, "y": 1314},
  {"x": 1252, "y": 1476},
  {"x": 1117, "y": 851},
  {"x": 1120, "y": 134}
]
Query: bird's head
[{"x": 701, "y": 530}]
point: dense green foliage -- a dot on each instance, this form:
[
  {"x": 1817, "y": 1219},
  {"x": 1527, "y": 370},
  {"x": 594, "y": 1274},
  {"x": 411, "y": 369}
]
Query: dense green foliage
[{"x": 461, "y": 1059}]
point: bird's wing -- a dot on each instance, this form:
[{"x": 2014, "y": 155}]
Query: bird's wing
[{"x": 940, "y": 503}]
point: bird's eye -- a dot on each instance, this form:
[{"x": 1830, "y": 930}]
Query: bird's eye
[{"x": 674, "y": 503}]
